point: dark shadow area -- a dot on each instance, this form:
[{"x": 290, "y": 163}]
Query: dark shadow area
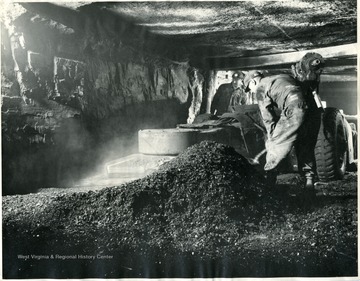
[{"x": 156, "y": 264}]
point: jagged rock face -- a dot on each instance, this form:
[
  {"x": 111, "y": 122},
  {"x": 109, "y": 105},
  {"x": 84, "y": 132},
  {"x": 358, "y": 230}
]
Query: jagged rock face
[
  {"x": 113, "y": 86},
  {"x": 71, "y": 92}
]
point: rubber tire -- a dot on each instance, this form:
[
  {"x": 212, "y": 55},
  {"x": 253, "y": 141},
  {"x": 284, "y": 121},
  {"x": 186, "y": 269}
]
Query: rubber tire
[{"x": 331, "y": 146}]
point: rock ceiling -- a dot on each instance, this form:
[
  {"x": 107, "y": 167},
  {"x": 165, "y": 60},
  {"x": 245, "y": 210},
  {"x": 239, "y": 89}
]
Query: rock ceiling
[
  {"x": 240, "y": 28},
  {"x": 219, "y": 31}
]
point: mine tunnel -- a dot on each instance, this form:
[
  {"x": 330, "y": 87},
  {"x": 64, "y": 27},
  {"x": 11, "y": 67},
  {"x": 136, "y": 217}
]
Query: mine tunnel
[
  {"x": 80, "y": 80},
  {"x": 94, "y": 95}
]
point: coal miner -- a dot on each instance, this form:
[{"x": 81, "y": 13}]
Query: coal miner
[
  {"x": 228, "y": 96},
  {"x": 291, "y": 111}
]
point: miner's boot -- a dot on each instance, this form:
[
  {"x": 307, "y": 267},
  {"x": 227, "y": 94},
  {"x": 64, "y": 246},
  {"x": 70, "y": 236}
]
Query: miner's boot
[
  {"x": 309, "y": 180},
  {"x": 309, "y": 183},
  {"x": 309, "y": 186}
]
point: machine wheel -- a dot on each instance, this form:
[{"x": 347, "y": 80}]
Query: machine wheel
[
  {"x": 166, "y": 141},
  {"x": 331, "y": 146},
  {"x": 175, "y": 141}
]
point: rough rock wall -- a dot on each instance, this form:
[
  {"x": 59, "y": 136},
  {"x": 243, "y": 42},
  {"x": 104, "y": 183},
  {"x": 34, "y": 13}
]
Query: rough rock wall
[
  {"x": 69, "y": 104},
  {"x": 42, "y": 140},
  {"x": 115, "y": 85}
]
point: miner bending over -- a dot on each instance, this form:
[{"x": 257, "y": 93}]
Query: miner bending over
[{"x": 291, "y": 115}]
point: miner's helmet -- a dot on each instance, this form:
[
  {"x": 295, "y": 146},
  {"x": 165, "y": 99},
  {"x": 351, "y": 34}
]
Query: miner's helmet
[
  {"x": 238, "y": 75},
  {"x": 249, "y": 76},
  {"x": 309, "y": 67},
  {"x": 314, "y": 60}
]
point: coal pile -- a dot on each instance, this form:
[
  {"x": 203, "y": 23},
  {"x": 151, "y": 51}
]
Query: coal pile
[
  {"x": 198, "y": 203},
  {"x": 205, "y": 213},
  {"x": 205, "y": 197}
]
